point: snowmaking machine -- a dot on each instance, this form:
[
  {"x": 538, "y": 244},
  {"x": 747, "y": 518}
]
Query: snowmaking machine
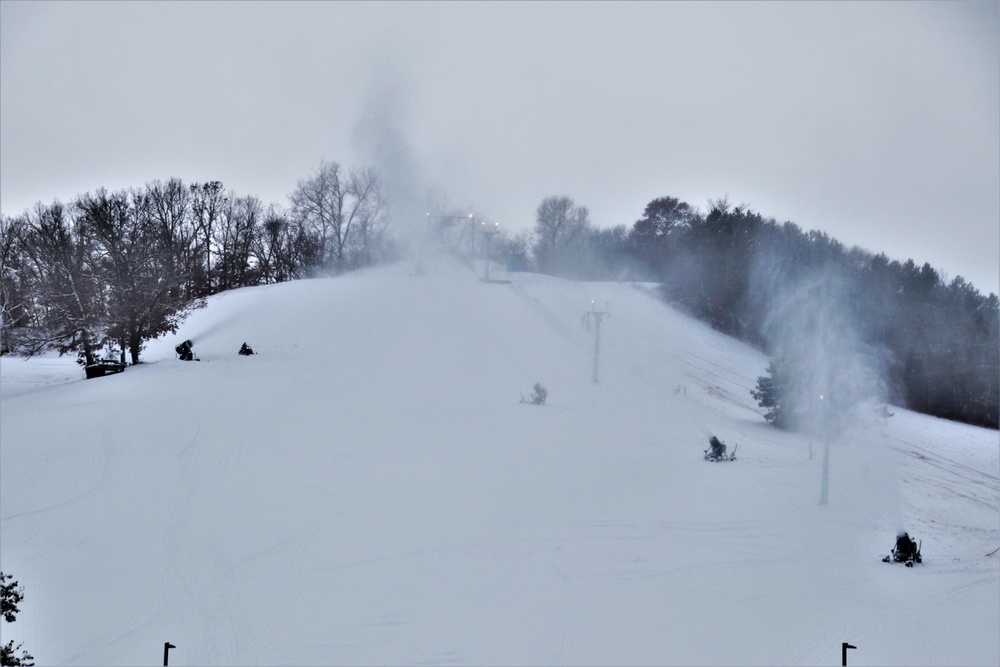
[
  {"x": 717, "y": 451},
  {"x": 906, "y": 551},
  {"x": 185, "y": 351}
]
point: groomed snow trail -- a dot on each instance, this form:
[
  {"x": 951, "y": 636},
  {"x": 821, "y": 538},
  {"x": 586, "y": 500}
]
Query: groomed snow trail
[{"x": 368, "y": 489}]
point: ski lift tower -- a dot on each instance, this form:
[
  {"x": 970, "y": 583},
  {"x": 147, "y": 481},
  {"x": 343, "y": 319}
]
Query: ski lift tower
[
  {"x": 824, "y": 486},
  {"x": 595, "y": 316},
  {"x": 489, "y": 234}
]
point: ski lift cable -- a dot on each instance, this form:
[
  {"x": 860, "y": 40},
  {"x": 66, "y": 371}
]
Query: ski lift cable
[
  {"x": 715, "y": 375},
  {"x": 957, "y": 463},
  {"x": 957, "y": 474},
  {"x": 935, "y": 464},
  {"x": 681, "y": 354}
]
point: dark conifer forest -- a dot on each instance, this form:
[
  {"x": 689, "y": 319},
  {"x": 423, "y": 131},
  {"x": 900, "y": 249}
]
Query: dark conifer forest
[
  {"x": 937, "y": 341},
  {"x": 105, "y": 273}
]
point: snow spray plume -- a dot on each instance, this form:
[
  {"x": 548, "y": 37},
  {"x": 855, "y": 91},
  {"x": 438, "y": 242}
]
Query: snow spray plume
[
  {"x": 832, "y": 385},
  {"x": 830, "y": 378},
  {"x": 382, "y": 144}
]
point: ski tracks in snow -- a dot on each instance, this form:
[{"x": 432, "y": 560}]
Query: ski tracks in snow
[
  {"x": 107, "y": 452},
  {"x": 567, "y": 638},
  {"x": 220, "y": 625},
  {"x": 259, "y": 642},
  {"x": 180, "y": 598}
]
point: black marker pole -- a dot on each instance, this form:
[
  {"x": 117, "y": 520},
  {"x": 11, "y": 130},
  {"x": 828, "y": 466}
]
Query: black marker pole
[
  {"x": 843, "y": 653},
  {"x": 166, "y": 652}
]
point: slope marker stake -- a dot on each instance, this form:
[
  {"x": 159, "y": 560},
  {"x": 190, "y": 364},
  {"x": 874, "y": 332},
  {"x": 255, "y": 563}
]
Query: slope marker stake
[{"x": 843, "y": 653}]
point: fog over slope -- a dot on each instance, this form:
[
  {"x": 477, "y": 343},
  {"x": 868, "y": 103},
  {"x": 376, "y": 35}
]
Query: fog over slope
[{"x": 369, "y": 489}]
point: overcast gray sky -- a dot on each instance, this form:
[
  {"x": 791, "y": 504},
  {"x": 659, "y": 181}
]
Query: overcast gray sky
[{"x": 876, "y": 122}]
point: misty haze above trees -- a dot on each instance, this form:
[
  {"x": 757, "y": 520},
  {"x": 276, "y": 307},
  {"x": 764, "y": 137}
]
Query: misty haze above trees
[{"x": 113, "y": 270}]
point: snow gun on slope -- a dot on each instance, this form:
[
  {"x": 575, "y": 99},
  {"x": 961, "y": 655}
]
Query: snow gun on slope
[
  {"x": 717, "y": 451},
  {"x": 906, "y": 551},
  {"x": 185, "y": 351}
]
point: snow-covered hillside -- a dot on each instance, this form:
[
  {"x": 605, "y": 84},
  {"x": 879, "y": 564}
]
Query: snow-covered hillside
[{"x": 369, "y": 489}]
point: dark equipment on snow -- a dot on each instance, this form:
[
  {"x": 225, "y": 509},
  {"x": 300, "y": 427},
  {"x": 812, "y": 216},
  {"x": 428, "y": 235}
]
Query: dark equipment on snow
[
  {"x": 537, "y": 398},
  {"x": 843, "y": 653},
  {"x": 184, "y": 350},
  {"x": 906, "y": 551},
  {"x": 104, "y": 367},
  {"x": 717, "y": 451},
  {"x": 246, "y": 350}
]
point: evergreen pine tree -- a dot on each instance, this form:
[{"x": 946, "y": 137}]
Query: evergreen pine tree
[{"x": 770, "y": 394}]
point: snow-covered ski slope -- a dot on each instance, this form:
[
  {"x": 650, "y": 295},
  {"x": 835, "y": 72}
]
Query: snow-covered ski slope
[{"x": 368, "y": 489}]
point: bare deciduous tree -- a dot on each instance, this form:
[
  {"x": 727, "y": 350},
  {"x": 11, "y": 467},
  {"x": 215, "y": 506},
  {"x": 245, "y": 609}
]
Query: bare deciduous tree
[
  {"x": 272, "y": 247},
  {"x": 559, "y": 222},
  {"x": 134, "y": 268},
  {"x": 339, "y": 212},
  {"x": 207, "y": 202},
  {"x": 14, "y": 307},
  {"x": 237, "y": 228},
  {"x": 369, "y": 214},
  {"x": 170, "y": 209},
  {"x": 66, "y": 287}
]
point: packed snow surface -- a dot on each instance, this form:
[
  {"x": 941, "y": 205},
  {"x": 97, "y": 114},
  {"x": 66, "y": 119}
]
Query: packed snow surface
[{"x": 370, "y": 489}]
